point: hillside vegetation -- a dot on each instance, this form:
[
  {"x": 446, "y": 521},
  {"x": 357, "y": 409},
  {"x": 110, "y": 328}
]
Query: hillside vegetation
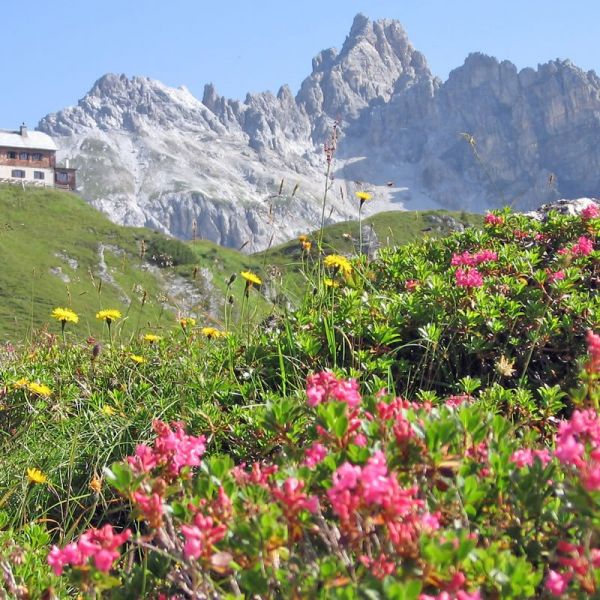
[
  {"x": 58, "y": 251},
  {"x": 422, "y": 424}
]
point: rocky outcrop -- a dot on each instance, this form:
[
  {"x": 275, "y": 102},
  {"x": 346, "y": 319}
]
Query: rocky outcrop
[
  {"x": 373, "y": 58},
  {"x": 564, "y": 207},
  {"x": 252, "y": 170}
]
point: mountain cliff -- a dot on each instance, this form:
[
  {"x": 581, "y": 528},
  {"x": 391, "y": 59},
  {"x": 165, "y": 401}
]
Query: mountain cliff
[{"x": 252, "y": 172}]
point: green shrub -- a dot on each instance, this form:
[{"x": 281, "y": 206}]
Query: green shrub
[{"x": 166, "y": 252}]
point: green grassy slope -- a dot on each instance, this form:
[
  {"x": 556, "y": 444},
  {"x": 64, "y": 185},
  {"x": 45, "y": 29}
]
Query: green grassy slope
[
  {"x": 58, "y": 251},
  {"x": 393, "y": 228}
]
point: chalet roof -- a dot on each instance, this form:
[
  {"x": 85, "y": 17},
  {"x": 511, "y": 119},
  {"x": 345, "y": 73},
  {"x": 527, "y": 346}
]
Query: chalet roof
[{"x": 33, "y": 140}]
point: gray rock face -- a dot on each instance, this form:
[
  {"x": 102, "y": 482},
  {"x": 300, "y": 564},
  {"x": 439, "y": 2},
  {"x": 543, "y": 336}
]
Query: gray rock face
[
  {"x": 563, "y": 207},
  {"x": 251, "y": 173},
  {"x": 365, "y": 71}
]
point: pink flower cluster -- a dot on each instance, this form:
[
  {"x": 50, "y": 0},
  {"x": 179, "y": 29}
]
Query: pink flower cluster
[
  {"x": 325, "y": 386},
  {"x": 577, "y": 562},
  {"x": 593, "y": 344},
  {"x": 591, "y": 211},
  {"x": 469, "y": 278},
  {"x": 457, "y": 400},
  {"x": 206, "y": 530},
  {"x": 99, "y": 544},
  {"x": 371, "y": 488},
  {"x": 453, "y": 590},
  {"x": 491, "y": 219},
  {"x": 293, "y": 499},
  {"x": 525, "y": 457},
  {"x": 151, "y": 506},
  {"x": 314, "y": 455},
  {"x": 555, "y": 275},
  {"x": 380, "y": 567},
  {"x": 576, "y": 438},
  {"x": 173, "y": 450},
  {"x": 584, "y": 246},
  {"x": 201, "y": 536},
  {"x": 396, "y": 411},
  {"x": 258, "y": 475},
  {"x": 466, "y": 259},
  {"x": 394, "y": 408},
  {"x": 460, "y": 595},
  {"x": 557, "y": 583}
]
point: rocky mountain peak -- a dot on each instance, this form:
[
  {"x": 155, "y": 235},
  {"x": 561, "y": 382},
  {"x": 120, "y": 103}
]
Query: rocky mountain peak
[
  {"x": 374, "y": 55},
  {"x": 252, "y": 170},
  {"x": 117, "y": 102},
  {"x": 360, "y": 26},
  {"x": 210, "y": 96},
  {"x": 108, "y": 84},
  {"x": 383, "y": 35},
  {"x": 325, "y": 60}
]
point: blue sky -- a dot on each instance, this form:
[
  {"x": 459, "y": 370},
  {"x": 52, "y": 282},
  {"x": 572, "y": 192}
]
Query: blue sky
[{"x": 52, "y": 52}]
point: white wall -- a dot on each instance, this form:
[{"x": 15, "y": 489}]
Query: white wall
[{"x": 6, "y": 173}]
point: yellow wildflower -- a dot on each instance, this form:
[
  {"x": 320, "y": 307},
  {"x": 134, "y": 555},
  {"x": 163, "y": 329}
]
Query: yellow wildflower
[
  {"x": 150, "y": 337},
  {"x": 302, "y": 238},
  {"x": 136, "y": 358},
  {"x": 306, "y": 246},
  {"x": 36, "y": 476},
  {"x": 39, "y": 388},
  {"x": 251, "y": 278},
  {"x": 211, "y": 332},
  {"x": 186, "y": 322},
  {"x": 362, "y": 196},
  {"x": 21, "y": 383},
  {"x": 330, "y": 282},
  {"x": 65, "y": 315},
  {"x": 107, "y": 410},
  {"x": 108, "y": 315},
  {"x": 341, "y": 263}
]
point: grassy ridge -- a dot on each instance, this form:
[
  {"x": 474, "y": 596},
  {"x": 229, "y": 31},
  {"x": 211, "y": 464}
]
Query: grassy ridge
[
  {"x": 53, "y": 247},
  {"x": 58, "y": 251}
]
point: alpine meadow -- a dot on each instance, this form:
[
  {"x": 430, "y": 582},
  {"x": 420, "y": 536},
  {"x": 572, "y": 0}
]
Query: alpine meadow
[{"x": 343, "y": 344}]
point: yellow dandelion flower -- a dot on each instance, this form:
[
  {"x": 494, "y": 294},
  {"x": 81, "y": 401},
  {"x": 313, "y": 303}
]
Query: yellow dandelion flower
[
  {"x": 36, "y": 476},
  {"x": 330, "y": 282},
  {"x": 211, "y": 332},
  {"x": 302, "y": 238},
  {"x": 363, "y": 196},
  {"x": 136, "y": 358},
  {"x": 65, "y": 315},
  {"x": 151, "y": 338},
  {"x": 251, "y": 278},
  {"x": 107, "y": 410},
  {"x": 21, "y": 383},
  {"x": 39, "y": 388},
  {"x": 186, "y": 322},
  {"x": 306, "y": 246},
  {"x": 341, "y": 263},
  {"x": 108, "y": 315}
]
